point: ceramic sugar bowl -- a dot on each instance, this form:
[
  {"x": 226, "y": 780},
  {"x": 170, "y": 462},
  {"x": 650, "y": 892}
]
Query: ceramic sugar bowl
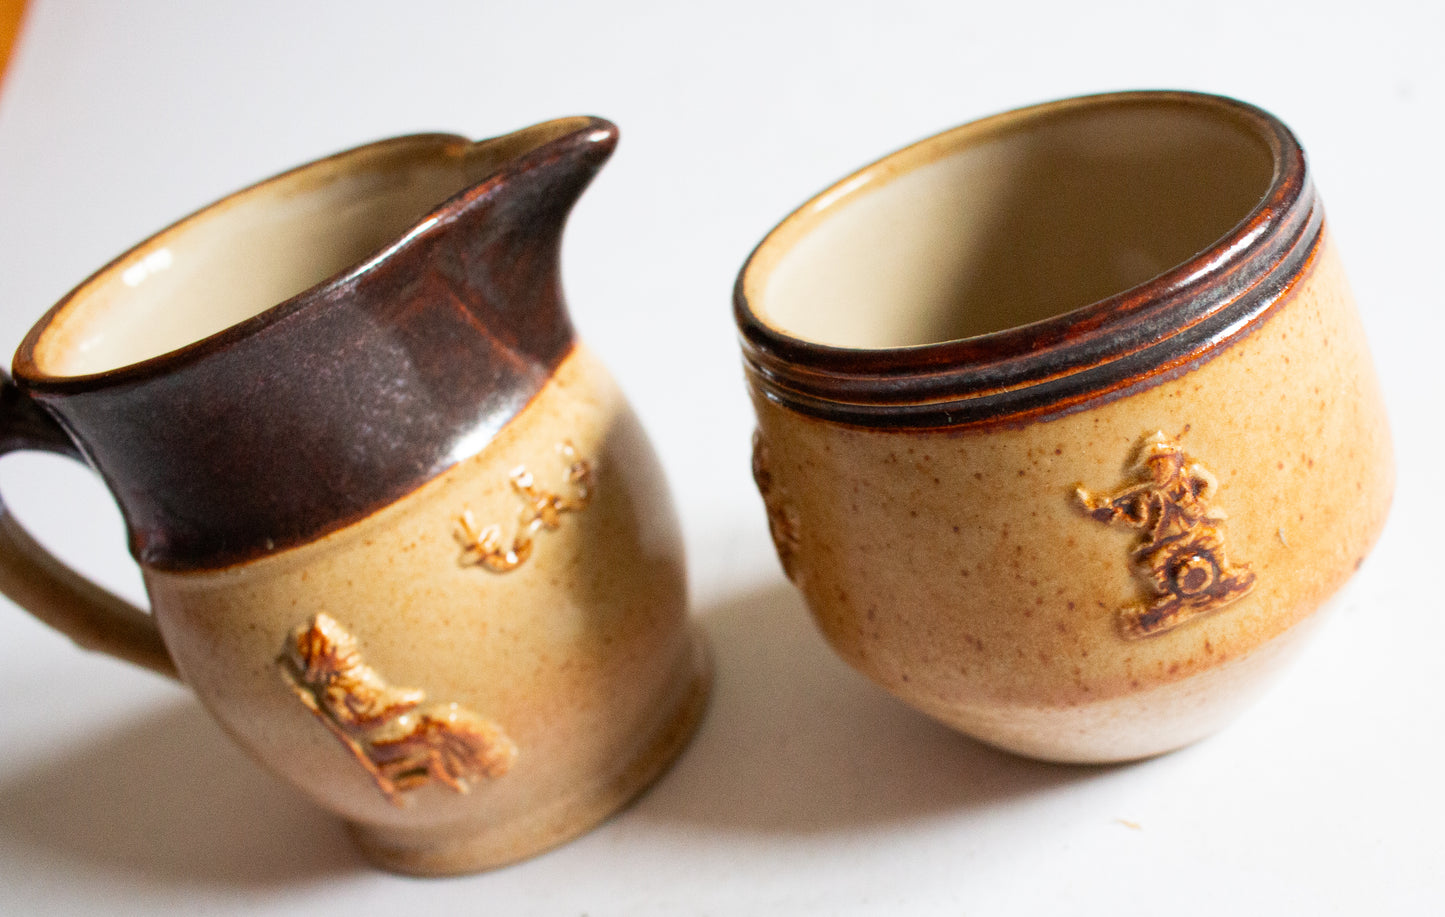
[
  {"x": 1067, "y": 427},
  {"x": 401, "y": 533}
]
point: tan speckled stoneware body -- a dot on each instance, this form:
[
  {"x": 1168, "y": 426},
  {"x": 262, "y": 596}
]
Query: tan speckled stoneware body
[
  {"x": 401, "y": 533},
  {"x": 1067, "y": 425}
]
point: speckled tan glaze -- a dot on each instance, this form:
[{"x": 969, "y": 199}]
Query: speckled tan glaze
[
  {"x": 955, "y": 569},
  {"x": 583, "y": 655}
]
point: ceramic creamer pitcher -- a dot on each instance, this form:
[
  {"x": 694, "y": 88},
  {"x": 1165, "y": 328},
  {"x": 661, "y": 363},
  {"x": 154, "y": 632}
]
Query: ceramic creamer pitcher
[
  {"x": 401, "y": 534},
  {"x": 1067, "y": 423}
]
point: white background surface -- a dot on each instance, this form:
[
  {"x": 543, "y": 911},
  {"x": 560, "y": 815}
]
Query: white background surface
[{"x": 807, "y": 790}]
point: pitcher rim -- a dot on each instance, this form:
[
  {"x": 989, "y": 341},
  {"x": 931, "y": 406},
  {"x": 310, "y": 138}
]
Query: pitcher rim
[{"x": 418, "y": 146}]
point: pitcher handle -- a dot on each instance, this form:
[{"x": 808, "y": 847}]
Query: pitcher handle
[{"x": 39, "y": 583}]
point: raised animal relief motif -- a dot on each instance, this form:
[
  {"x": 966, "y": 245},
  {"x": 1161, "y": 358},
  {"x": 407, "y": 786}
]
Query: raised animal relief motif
[
  {"x": 541, "y": 510},
  {"x": 1180, "y": 553},
  {"x": 782, "y": 518},
  {"x": 400, "y": 743}
]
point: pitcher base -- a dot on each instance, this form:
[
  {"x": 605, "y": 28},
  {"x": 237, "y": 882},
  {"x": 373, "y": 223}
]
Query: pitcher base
[{"x": 458, "y": 850}]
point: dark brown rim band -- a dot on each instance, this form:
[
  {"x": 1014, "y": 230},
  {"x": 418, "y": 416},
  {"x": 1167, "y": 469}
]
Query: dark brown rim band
[
  {"x": 25, "y": 366},
  {"x": 1132, "y": 340},
  {"x": 347, "y": 397}
]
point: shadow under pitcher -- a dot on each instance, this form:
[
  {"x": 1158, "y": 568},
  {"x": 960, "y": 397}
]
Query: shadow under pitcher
[{"x": 1067, "y": 426}]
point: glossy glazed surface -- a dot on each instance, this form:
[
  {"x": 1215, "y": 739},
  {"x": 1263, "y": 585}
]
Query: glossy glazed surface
[
  {"x": 423, "y": 346},
  {"x": 1087, "y": 334},
  {"x": 1003, "y": 224}
]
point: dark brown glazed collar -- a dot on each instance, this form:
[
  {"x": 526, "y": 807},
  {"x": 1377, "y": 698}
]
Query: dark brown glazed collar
[
  {"x": 335, "y": 403},
  {"x": 1133, "y": 340}
]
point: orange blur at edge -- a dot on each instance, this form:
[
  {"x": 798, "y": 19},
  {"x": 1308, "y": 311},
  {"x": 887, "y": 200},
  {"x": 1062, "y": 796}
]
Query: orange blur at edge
[{"x": 11, "y": 12}]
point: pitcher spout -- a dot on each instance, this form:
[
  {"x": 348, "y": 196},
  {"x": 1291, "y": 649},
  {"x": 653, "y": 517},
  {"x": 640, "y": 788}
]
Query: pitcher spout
[
  {"x": 499, "y": 242},
  {"x": 361, "y": 323}
]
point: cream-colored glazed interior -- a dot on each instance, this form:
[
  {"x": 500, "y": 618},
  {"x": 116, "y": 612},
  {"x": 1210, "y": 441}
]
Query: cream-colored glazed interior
[
  {"x": 263, "y": 246},
  {"x": 1010, "y": 221}
]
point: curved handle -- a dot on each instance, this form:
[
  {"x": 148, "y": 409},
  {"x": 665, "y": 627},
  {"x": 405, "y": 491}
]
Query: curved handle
[{"x": 33, "y": 579}]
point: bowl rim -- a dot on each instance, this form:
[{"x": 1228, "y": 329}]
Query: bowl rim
[{"x": 1137, "y": 338}]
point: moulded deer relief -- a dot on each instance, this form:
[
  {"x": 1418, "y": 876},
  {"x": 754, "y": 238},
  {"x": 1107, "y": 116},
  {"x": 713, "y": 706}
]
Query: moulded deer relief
[
  {"x": 541, "y": 511},
  {"x": 1180, "y": 555},
  {"x": 401, "y": 744}
]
